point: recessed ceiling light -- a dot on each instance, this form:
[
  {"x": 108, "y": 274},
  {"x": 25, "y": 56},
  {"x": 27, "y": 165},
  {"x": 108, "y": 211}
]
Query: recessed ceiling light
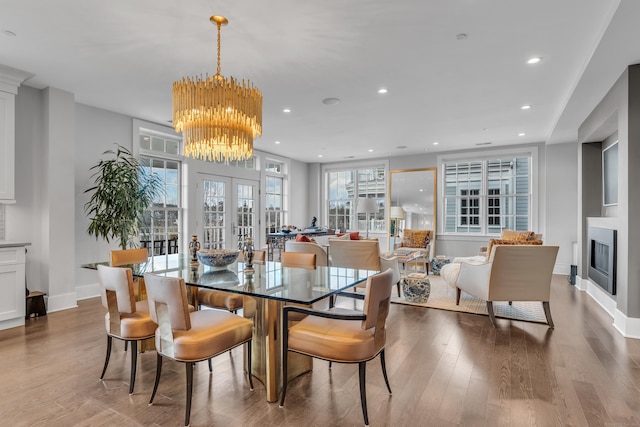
[
  {"x": 286, "y": 110},
  {"x": 521, "y": 134},
  {"x": 461, "y": 36},
  {"x": 370, "y": 150},
  {"x": 319, "y": 155},
  {"x": 382, "y": 90},
  {"x": 525, "y": 107},
  {"x": 331, "y": 101},
  {"x": 534, "y": 60},
  {"x": 8, "y": 33},
  {"x": 436, "y": 143},
  {"x": 421, "y": 190},
  {"x": 276, "y": 142}
]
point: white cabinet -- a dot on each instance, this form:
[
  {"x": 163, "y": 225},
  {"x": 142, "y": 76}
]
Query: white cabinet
[
  {"x": 12, "y": 286},
  {"x": 10, "y": 79}
]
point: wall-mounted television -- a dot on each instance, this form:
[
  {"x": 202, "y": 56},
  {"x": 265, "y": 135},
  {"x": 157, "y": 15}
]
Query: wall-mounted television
[{"x": 610, "y": 175}]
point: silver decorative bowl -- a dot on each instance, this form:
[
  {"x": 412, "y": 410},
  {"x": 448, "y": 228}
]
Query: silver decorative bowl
[{"x": 219, "y": 259}]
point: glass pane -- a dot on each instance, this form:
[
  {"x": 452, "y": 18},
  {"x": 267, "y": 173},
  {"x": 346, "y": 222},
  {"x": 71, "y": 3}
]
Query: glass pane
[
  {"x": 157, "y": 144},
  {"x": 145, "y": 142},
  {"x": 172, "y": 147}
]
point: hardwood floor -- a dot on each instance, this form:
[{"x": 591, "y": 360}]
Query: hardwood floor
[{"x": 445, "y": 369}]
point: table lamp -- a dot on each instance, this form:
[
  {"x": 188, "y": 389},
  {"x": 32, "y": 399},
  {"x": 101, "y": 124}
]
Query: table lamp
[
  {"x": 367, "y": 206},
  {"x": 396, "y": 213}
]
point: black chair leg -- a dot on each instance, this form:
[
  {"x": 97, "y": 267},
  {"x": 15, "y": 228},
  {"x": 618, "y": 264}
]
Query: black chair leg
[
  {"x": 330, "y": 364},
  {"x": 285, "y": 358},
  {"x": 492, "y": 317},
  {"x": 547, "y": 313},
  {"x": 249, "y": 365},
  {"x": 362, "y": 368},
  {"x": 158, "y": 372},
  {"x": 106, "y": 359},
  {"x": 189, "y": 367},
  {"x": 384, "y": 370},
  {"x": 210, "y": 367},
  {"x": 126, "y": 345},
  {"x": 134, "y": 364}
]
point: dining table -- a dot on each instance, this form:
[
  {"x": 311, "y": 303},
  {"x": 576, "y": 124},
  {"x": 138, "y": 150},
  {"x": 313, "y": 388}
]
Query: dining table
[{"x": 266, "y": 289}]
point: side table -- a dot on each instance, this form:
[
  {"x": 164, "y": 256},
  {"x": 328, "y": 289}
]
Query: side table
[{"x": 416, "y": 287}]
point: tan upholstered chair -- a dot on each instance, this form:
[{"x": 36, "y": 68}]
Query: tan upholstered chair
[
  {"x": 126, "y": 319},
  {"x": 307, "y": 247},
  {"x": 298, "y": 259},
  {"x": 227, "y": 300},
  {"x": 191, "y": 337},
  {"x": 343, "y": 336},
  {"x": 123, "y": 257},
  {"x": 513, "y": 273},
  {"x": 362, "y": 254}
]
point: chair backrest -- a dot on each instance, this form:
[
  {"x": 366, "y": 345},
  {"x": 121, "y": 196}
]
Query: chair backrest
[
  {"x": 377, "y": 300},
  {"x": 307, "y": 247},
  {"x": 116, "y": 289},
  {"x": 129, "y": 256},
  {"x": 298, "y": 259},
  {"x": 259, "y": 256},
  {"x": 521, "y": 272},
  {"x": 361, "y": 254},
  {"x": 168, "y": 304}
]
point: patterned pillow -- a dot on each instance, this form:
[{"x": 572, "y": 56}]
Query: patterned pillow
[
  {"x": 496, "y": 242},
  {"x": 517, "y": 235},
  {"x": 415, "y": 238}
]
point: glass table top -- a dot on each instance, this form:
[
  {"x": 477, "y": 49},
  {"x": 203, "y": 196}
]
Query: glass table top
[{"x": 269, "y": 280}]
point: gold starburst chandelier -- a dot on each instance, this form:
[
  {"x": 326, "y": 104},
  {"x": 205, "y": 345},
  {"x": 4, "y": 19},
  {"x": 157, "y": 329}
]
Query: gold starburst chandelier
[{"x": 219, "y": 118}]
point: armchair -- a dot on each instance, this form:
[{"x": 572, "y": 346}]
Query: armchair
[{"x": 513, "y": 273}]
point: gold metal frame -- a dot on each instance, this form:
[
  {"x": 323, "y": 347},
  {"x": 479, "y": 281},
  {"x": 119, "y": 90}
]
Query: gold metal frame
[{"x": 435, "y": 198}]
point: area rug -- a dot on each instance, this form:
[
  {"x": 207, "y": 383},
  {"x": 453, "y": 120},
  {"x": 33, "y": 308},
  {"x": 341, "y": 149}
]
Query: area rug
[{"x": 443, "y": 297}]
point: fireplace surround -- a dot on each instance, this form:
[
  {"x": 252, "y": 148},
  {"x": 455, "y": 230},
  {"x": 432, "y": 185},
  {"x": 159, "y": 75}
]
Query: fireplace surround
[{"x": 602, "y": 257}]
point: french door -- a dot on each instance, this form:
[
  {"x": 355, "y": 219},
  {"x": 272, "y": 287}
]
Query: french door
[{"x": 228, "y": 211}]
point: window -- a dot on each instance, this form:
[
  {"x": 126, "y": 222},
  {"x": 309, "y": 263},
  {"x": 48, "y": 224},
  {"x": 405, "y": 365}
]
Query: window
[
  {"x": 160, "y": 230},
  {"x": 345, "y": 187},
  {"x": 487, "y": 196},
  {"x": 274, "y": 196},
  {"x": 249, "y": 163}
]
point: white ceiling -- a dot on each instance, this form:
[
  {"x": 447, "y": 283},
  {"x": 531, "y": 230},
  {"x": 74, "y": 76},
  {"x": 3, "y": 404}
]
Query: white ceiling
[{"x": 124, "y": 55}]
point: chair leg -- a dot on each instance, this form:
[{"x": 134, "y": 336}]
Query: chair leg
[
  {"x": 362, "y": 368},
  {"x": 209, "y": 362},
  {"x": 249, "y": 365},
  {"x": 157, "y": 381},
  {"x": 330, "y": 364},
  {"x": 547, "y": 313},
  {"x": 398, "y": 286},
  {"x": 126, "y": 345},
  {"x": 106, "y": 359},
  {"x": 134, "y": 364},
  {"x": 458, "y": 294},
  {"x": 285, "y": 359},
  {"x": 384, "y": 371},
  {"x": 189, "y": 368},
  {"x": 492, "y": 317}
]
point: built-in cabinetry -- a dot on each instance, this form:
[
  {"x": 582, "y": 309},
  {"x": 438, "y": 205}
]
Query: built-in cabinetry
[
  {"x": 10, "y": 79},
  {"x": 12, "y": 284}
]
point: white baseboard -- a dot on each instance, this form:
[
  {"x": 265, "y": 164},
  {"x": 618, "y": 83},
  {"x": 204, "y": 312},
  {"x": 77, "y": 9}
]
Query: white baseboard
[
  {"x": 61, "y": 302},
  {"x": 12, "y": 323},
  {"x": 564, "y": 269},
  {"x": 87, "y": 291},
  {"x": 629, "y": 327}
]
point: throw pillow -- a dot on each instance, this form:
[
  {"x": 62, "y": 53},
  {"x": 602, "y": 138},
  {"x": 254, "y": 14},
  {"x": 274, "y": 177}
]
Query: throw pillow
[
  {"x": 302, "y": 238},
  {"x": 354, "y": 235},
  {"x": 516, "y": 235},
  {"x": 415, "y": 238},
  {"x": 496, "y": 242}
]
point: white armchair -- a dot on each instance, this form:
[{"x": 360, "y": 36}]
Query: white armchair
[{"x": 513, "y": 273}]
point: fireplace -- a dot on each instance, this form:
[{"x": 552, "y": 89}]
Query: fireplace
[{"x": 602, "y": 258}]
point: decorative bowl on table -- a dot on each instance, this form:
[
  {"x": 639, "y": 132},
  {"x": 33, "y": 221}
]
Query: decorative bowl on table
[{"x": 218, "y": 259}]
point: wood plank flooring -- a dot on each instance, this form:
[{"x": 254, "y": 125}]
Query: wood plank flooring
[{"x": 445, "y": 369}]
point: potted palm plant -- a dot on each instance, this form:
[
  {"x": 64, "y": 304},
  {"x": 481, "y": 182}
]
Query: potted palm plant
[{"x": 122, "y": 190}]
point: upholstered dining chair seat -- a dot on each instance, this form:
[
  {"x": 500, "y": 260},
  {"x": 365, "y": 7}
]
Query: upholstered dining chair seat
[
  {"x": 338, "y": 340},
  {"x": 212, "y": 332}
]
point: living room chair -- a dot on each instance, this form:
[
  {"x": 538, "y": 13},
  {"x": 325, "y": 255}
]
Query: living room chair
[
  {"x": 191, "y": 337},
  {"x": 126, "y": 319},
  {"x": 227, "y": 300},
  {"x": 342, "y": 336},
  {"x": 513, "y": 273}
]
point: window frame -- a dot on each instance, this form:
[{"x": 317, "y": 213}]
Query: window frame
[{"x": 484, "y": 157}]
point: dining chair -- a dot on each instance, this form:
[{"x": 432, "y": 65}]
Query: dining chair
[
  {"x": 227, "y": 300},
  {"x": 298, "y": 259},
  {"x": 341, "y": 335},
  {"x": 191, "y": 337},
  {"x": 308, "y": 247},
  {"x": 124, "y": 257},
  {"x": 126, "y": 319}
]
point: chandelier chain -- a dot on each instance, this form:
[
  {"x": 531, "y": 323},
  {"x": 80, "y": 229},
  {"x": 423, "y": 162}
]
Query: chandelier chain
[{"x": 219, "y": 25}]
